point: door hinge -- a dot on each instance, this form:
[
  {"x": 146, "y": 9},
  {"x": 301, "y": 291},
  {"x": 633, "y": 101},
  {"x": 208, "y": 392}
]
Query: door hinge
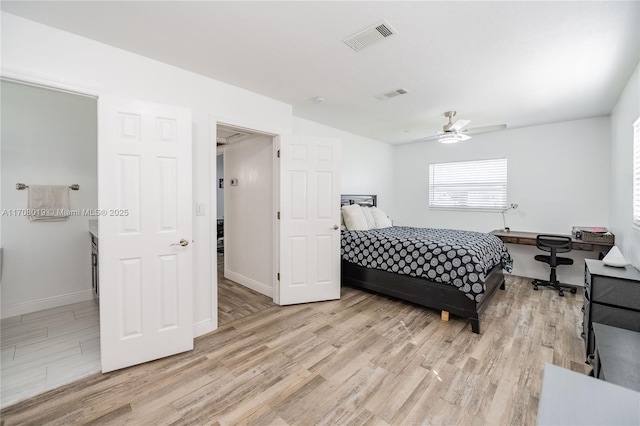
[
  {"x": 278, "y": 215},
  {"x": 278, "y": 154},
  {"x": 278, "y": 276}
]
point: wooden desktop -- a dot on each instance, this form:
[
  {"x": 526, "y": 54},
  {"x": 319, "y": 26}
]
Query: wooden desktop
[{"x": 529, "y": 239}]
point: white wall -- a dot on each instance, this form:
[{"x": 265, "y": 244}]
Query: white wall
[
  {"x": 366, "y": 168},
  {"x": 625, "y": 113},
  {"x": 248, "y": 212},
  {"x": 219, "y": 191},
  {"x": 46, "y": 54},
  {"x": 558, "y": 174},
  {"x": 48, "y": 137}
]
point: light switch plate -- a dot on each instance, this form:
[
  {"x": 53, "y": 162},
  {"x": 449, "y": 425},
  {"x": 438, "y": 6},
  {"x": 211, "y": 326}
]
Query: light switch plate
[{"x": 201, "y": 209}]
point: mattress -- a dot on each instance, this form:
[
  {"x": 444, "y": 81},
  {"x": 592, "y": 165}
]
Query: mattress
[{"x": 459, "y": 258}]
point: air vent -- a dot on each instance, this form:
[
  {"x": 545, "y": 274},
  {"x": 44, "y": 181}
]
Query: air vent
[
  {"x": 391, "y": 94},
  {"x": 370, "y": 35},
  {"x": 227, "y": 137}
]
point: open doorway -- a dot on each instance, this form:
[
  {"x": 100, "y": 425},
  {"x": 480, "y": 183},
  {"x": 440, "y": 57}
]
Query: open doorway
[
  {"x": 296, "y": 258},
  {"x": 245, "y": 221},
  {"x": 50, "y": 313}
]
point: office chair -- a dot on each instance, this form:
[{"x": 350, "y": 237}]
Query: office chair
[
  {"x": 220, "y": 239},
  {"x": 553, "y": 244}
]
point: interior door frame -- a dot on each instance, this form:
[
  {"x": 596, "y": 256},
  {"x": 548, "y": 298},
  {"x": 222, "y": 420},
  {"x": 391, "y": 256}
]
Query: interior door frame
[
  {"x": 18, "y": 76},
  {"x": 29, "y": 79},
  {"x": 39, "y": 81},
  {"x": 274, "y": 132}
]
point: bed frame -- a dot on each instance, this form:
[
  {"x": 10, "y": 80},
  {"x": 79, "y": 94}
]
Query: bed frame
[{"x": 422, "y": 291}]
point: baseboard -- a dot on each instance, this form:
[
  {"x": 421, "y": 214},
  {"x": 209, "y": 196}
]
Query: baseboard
[
  {"x": 249, "y": 283},
  {"x": 199, "y": 328},
  {"x": 47, "y": 303}
]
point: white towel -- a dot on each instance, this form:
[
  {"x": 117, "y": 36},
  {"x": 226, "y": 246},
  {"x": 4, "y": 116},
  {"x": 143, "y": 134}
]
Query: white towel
[{"x": 48, "y": 202}]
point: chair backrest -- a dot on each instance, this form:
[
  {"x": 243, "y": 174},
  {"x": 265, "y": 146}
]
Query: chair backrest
[
  {"x": 220, "y": 228},
  {"x": 554, "y": 243}
]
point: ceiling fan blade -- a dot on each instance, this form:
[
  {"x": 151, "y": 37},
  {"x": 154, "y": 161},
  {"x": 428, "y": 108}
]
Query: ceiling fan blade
[
  {"x": 445, "y": 137},
  {"x": 429, "y": 138},
  {"x": 486, "y": 129},
  {"x": 459, "y": 124}
]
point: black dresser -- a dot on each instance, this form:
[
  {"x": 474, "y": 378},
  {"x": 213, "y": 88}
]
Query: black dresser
[
  {"x": 617, "y": 356},
  {"x": 611, "y": 297}
]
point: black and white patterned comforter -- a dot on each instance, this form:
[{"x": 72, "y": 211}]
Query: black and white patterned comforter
[{"x": 460, "y": 258}]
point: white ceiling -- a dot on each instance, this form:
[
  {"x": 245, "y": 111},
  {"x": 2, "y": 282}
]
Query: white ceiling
[{"x": 519, "y": 63}]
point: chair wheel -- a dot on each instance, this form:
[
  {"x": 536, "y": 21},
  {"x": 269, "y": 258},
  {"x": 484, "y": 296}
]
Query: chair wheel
[
  {"x": 561, "y": 293},
  {"x": 574, "y": 290},
  {"x": 535, "y": 287}
]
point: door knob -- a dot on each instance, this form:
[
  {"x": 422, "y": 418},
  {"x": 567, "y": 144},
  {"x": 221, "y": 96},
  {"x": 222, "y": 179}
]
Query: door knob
[
  {"x": 336, "y": 227},
  {"x": 182, "y": 243}
]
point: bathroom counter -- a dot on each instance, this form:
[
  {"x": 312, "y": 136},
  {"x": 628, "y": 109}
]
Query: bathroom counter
[
  {"x": 95, "y": 277},
  {"x": 93, "y": 227}
]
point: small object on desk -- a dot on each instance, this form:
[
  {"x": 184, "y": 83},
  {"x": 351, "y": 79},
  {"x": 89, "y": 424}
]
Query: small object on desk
[
  {"x": 504, "y": 224},
  {"x": 615, "y": 258},
  {"x": 593, "y": 234}
]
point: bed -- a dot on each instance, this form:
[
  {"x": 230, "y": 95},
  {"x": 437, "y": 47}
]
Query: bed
[{"x": 457, "y": 272}]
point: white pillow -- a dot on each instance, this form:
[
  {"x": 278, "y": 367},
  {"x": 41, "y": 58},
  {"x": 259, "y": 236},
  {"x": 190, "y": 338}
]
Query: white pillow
[
  {"x": 354, "y": 218},
  {"x": 371, "y": 223},
  {"x": 343, "y": 227},
  {"x": 381, "y": 218}
]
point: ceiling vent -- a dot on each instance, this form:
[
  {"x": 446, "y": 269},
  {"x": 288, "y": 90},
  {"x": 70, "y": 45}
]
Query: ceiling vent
[
  {"x": 226, "y": 137},
  {"x": 370, "y": 35},
  {"x": 392, "y": 94}
]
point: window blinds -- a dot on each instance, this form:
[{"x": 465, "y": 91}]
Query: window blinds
[{"x": 474, "y": 185}]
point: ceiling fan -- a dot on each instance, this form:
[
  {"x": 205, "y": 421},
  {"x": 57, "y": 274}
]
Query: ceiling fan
[{"x": 454, "y": 131}]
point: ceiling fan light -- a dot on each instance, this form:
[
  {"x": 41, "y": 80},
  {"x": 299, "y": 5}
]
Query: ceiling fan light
[{"x": 451, "y": 138}]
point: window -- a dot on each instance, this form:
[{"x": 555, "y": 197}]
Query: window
[
  {"x": 636, "y": 173},
  {"x": 473, "y": 185}
]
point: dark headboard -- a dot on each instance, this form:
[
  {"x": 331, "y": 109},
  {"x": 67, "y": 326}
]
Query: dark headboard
[{"x": 363, "y": 200}]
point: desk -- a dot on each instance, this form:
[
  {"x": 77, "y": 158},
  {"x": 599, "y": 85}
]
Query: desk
[
  {"x": 529, "y": 239},
  {"x": 570, "y": 398}
]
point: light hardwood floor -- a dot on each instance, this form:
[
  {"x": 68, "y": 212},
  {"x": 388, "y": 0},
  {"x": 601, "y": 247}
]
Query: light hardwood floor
[
  {"x": 363, "y": 359},
  {"x": 47, "y": 349},
  {"x": 236, "y": 301}
]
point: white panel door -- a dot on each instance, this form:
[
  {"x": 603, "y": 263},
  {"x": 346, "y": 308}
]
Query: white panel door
[
  {"x": 144, "y": 197},
  {"x": 309, "y": 220}
]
